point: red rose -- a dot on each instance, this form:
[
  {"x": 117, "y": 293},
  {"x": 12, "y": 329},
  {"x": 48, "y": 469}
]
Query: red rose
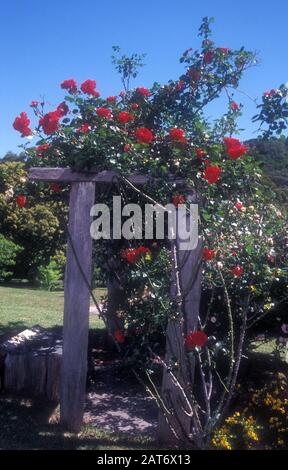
[
  {"x": 212, "y": 174},
  {"x": 84, "y": 128},
  {"x": 237, "y": 271},
  {"x": 89, "y": 87},
  {"x": 63, "y": 108},
  {"x": 69, "y": 85},
  {"x": 196, "y": 338},
  {"x": 208, "y": 56},
  {"x": 200, "y": 153},
  {"x": 180, "y": 85},
  {"x": 125, "y": 117},
  {"x": 132, "y": 255},
  {"x": 104, "y": 113},
  {"x": 41, "y": 149},
  {"x": 224, "y": 50},
  {"x": 21, "y": 124},
  {"x": 178, "y": 199},
  {"x": 34, "y": 103},
  {"x": 144, "y": 136},
  {"x": 21, "y": 201},
  {"x": 111, "y": 99},
  {"x": 127, "y": 148},
  {"x": 119, "y": 336},
  {"x": 238, "y": 205},
  {"x": 234, "y": 106},
  {"x": 143, "y": 91},
  {"x": 50, "y": 122},
  {"x": 55, "y": 187},
  {"x": 134, "y": 106},
  {"x": 234, "y": 148},
  {"x": 195, "y": 74},
  {"x": 177, "y": 135},
  {"x": 208, "y": 254}
]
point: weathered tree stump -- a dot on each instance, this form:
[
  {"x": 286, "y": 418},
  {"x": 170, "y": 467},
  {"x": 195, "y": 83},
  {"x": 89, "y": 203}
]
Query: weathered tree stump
[{"x": 31, "y": 363}]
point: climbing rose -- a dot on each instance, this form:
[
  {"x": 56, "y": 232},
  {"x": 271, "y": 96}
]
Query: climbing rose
[
  {"x": 234, "y": 106},
  {"x": 21, "y": 124},
  {"x": 143, "y": 91},
  {"x": 224, "y": 50},
  {"x": 84, "y": 128},
  {"x": 180, "y": 85},
  {"x": 200, "y": 153},
  {"x": 69, "y": 85},
  {"x": 104, "y": 113},
  {"x": 208, "y": 254},
  {"x": 237, "y": 271},
  {"x": 134, "y": 106},
  {"x": 194, "y": 74},
  {"x": 178, "y": 199},
  {"x": 177, "y": 135},
  {"x": 41, "y": 149},
  {"x": 55, "y": 187},
  {"x": 196, "y": 338},
  {"x": 125, "y": 117},
  {"x": 119, "y": 336},
  {"x": 238, "y": 205},
  {"x": 127, "y": 147},
  {"x": 208, "y": 56},
  {"x": 34, "y": 103},
  {"x": 63, "y": 108},
  {"x": 111, "y": 99},
  {"x": 89, "y": 87},
  {"x": 21, "y": 201},
  {"x": 132, "y": 255},
  {"x": 234, "y": 148},
  {"x": 50, "y": 122},
  {"x": 144, "y": 135},
  {"x": 212, "y": 174}
]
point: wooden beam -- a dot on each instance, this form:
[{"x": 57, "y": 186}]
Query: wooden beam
[
  {"x": 66, "y": 175},
  {"x": 76, "y": 306}
]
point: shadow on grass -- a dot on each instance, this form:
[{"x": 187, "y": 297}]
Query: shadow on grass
[{"x": 24, "y": 424}]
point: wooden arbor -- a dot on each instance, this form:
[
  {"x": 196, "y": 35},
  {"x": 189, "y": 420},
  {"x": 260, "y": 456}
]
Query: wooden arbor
[{"x": 77, "y": 292}]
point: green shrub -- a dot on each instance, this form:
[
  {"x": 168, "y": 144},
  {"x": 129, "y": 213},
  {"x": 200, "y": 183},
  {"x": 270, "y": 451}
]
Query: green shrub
[
  {"x": 49, "y": 277},
  {"x": 8, "y": 255}
]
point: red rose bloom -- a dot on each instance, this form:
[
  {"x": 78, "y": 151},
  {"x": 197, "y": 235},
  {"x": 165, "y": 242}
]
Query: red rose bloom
[
  {"x": 234, "y": 106},
  {"x": 134, "y": 106},
  {"x": 234, "y": 148},
  {"x": 180, "y": 85},
  {"x": 208, "y": 254},
  {"x": 196, "y": 338},
  {"x": 200, "y": 153},
  {"x": 208, "y": 56},
  {"x": 127, "y": 148},
  {"x": 143, "y": 91},
  {"x": 132, "y": 255},
  {"x": 50, "y": 122},
  {"x": 178, "y": 199},
  {"x": 238, "y": 205},
  {"x": 224, "y": 50},
  {"x": 89, "y": 87},
  {"x": 21, "y": 201},
  {"x": 119, "y": 336},
  {"x": 21, "y": 124},
  {"x": 212, "y": 174},
  {"x": 55, "y": 187},
  {"x": 125, "y": 117},
  {"x": 41, "y": 149},
  {"x": 69, "y": 85},
  {"x": 237, "y": 271},
  {"x": 84, "y": 128},
  {"x": 177, "y": 135},
  {"x": 63, "y": 108},
  {"x": 34, "y": 103},
  {"x": 144, "y": 136},
  {"x": 195, "y": 74},
  {"x": 104, "y": 113},
  {"x": 111, "y": 99}
]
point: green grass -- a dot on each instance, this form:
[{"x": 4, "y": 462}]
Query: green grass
[{"x": 23, "y": 307}]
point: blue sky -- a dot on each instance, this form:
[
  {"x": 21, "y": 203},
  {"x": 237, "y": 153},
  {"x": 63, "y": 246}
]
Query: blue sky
[{"x": 45, "y": 42}]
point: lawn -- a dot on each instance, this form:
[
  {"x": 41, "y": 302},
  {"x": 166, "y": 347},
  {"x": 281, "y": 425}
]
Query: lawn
[{"x": 22, "y": 306}]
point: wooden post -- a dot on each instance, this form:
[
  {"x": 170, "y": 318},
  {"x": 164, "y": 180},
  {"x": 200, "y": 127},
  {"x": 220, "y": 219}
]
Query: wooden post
[
  {"x": 187, "y": 267},
  {"x": 76, "y": 306}
]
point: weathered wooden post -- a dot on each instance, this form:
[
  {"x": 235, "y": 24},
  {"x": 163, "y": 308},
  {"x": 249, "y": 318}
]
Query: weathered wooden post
[{"x": 186, "y": 277}]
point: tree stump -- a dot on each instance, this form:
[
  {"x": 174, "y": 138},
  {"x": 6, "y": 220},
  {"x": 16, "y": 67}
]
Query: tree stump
[{"x": 31, "y": 363}]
